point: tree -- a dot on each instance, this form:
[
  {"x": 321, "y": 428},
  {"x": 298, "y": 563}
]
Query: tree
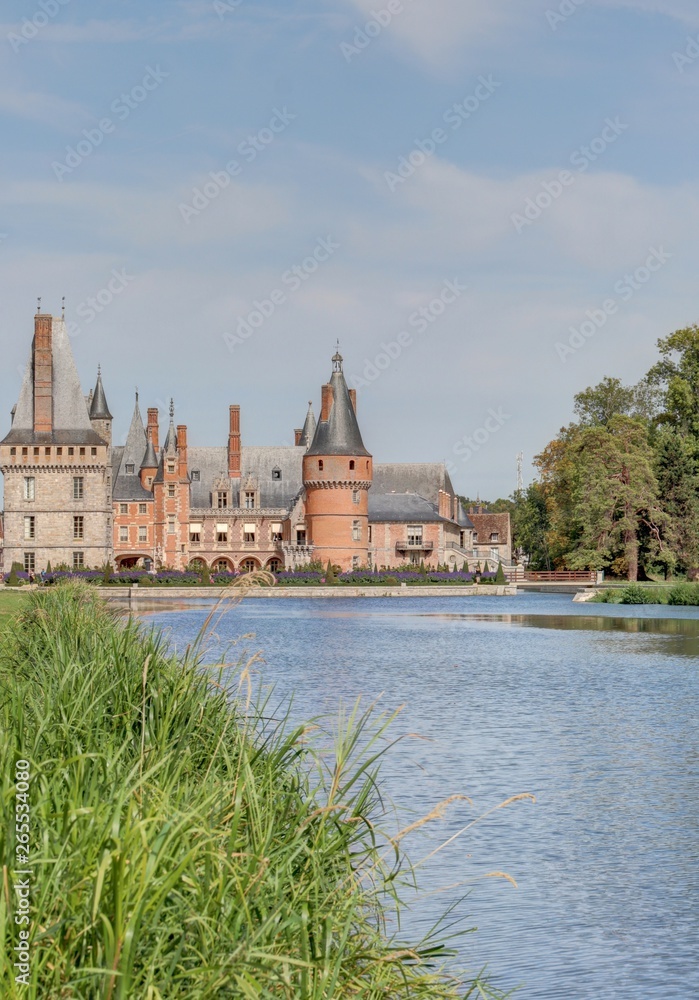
[
  {"x": 676, "y": 378},
  {"x": 678, "y": 484},
  {"x": 530, "y": 526},
  {"x": 613, "y": 495},
  {"x": 597, "y": 404}
]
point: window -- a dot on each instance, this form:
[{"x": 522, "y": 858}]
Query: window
[
  {"x": 276, "y": 531},
  {"x": 352, "y": 465},
  {"x": 25, "y": 451},
  {"x": 78, "y": 487},
  {"x": 59, "y": 452},
  {"x": 29, "y": 527},
  {"x": 355, "y": 562},
  {"x": 221, "y": 532},
  {"x": 47, "y": 452},
  {"x": 276, "y": 473},
  {"x": 249, "y": 500},
  {"x": 320, "y": 465},
  {"x": 171, "y": 490},
  {"x": 274, "y": 566},
  {"x": 13, "y": 451},
  {"x": 196, "y": 476},
  {"x": 36, "y": 452},
  {"x": 143, "y": 508},
  {"x": 149, "y": 480},
  {"x": 29, "y": 488},
  {"x": 130, "y": 469},
  {"x": 249, "y": 533},
  {"x": 79, "y": 526},
  {"x": 356, "y": 531},
  {"x": 355, "y": 496},
  {"x": 475, "y": 536},
  {"x": 71, "y": 451},
  {"x": 29, "y": 562},
  {"x": 171, "y": 524},
  {"x": 123, "y": 534},
  {"x": 82, "y": 453},
  {"x": 143, "y": 534},
  {"x": 195, "y": 532},
  {"x": 300, "y": 536},
  {"x": 78, "y": 560},
  {"x": 93, "y": 452},
  {"x": 222, "y": 566},
  {"x": 495, "y": 536},
  {"x": 248, "y": 566},
  {"x": 123, "y": 508},
  {"x": 414, "y": 534},
  {"x": 369, "y": 530},
  {"x": 171, "y": 468},
  {"x": 222, "y": 499}
]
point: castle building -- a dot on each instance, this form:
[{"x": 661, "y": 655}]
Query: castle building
[{"x": 73, "y": 497}]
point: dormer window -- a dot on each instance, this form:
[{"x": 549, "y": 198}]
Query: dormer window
[
  {"x": 130, "y": 469},
  {"x": 222, "y": 499},
  {"x": 171, "y": 468},
  {"x": 276, "y": 473},
  {"x": 495, "y": 536},
  {"x": 196, "y": 475},
  {"x": 475, "y": 536},
  {"x": 249, "y": 500}
]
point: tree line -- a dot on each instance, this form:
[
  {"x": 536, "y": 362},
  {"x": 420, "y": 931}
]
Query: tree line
[{"x": 618, "y": 488}]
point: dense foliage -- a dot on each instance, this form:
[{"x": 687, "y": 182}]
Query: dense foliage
[
  {"x": 618, "y": 489},
  {"x": 182, "y": 844}
]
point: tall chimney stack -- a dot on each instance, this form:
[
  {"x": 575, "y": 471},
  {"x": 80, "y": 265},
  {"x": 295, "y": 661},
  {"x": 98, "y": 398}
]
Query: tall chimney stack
[
  {"x": 153, "y": 429},
  {"x": 326, "y": 401},
  {"x": 234, "y": 443},
  {"x": 43, "y": 374}
]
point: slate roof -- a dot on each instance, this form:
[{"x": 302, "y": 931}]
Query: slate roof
[
  {"x": 128, "y": 487},
  {"x": 98, "y": 407},
  {"x": 339, "y": 434},
  {"x": 260, "y": 463},
  {"x": 71, "y": 420},
  {"x": 401, "y": 507},
  {"x": 309, "y": 427},
  {"x": 424, "y": 478}
]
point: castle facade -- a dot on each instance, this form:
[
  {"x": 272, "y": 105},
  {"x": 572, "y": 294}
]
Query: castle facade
[{"x": 73, "y": 497}]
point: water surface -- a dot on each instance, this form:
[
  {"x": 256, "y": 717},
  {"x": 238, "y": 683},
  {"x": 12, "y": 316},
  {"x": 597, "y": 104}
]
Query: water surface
[{"x": 592, "y": 708}]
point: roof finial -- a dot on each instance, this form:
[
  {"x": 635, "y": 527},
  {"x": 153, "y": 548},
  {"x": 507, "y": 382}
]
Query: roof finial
[
  {"x": 337, "y": 359},
  {"x": 137, "y": 394},
  {"x": 172, "y": 408},
  {"x": 99, "y": 370},
  {"x": 38, "y": 304},
  {"x": 63, "y": 307}
]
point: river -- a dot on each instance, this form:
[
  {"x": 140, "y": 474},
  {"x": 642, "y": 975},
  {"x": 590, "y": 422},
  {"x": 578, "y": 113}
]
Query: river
[{"x": 591, "y": 708}]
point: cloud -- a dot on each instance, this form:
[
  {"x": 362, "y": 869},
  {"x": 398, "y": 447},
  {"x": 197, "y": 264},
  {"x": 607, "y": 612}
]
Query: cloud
[{"x": 45, "y": 108}]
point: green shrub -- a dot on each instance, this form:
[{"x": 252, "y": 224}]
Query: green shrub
[
  {"x": 391, "y": 581},
  {"x": 500, "y": 577},
  {"x": 634, "y": 594},
  {"x": 685, "y": 594},
  {"x": 13, "y": 579}
]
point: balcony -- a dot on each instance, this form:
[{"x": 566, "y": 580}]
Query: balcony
[{"x": 415, "y": 545}]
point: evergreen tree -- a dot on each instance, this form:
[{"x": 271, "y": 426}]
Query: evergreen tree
[
  {"x": 500, "y": 577},
  {"x": 678, "y": 485}
]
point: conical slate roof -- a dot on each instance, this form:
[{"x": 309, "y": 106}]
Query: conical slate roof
[
  {"x": 171, "y": 439},
  {"x": 150, "y": 459},
  {"x": 98, "y": 407},
  {"x": 71, "y": 420},
  {"x": 339, "y": 434},
  {"x": 309, "y": 427},
  {"x": 127, "y": 485}
]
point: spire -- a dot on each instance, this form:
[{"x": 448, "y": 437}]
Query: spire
[
  {"x": 150, "y": 459},
  {"x": 309, "y": 428},
  {"x": 171, "y": 439},
  {"x": 338, "y": 433},
  {"x": 135, "y": 444},
  {"x": 98, "y": 407}
]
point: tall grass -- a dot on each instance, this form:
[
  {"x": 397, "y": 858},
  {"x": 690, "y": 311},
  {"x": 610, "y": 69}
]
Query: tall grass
[{"x": 178, "y": 853}]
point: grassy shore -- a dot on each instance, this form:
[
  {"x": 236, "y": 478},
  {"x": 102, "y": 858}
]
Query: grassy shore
[
  {"x": 180, "y": 846},
  {"x": 11, "y": 601}
]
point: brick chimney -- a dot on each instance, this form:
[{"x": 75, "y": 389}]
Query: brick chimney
[
  {"x": 444, "y": 504},
  {"x": 43, "y": 374},
  {"x": 182, "y": 449},
  {"x": 326, "y": 401},
  {"x": 353, "y": 398},
  {"x": 153, "y": 429},
  {"x": 234, "y": 443}
]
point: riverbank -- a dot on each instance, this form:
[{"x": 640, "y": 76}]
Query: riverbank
[{"x": 179, "y": 845}]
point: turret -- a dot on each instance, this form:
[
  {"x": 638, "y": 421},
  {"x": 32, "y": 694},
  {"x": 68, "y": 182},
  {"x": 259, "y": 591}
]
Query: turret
[
  {"x": 100, "y": 417},
  {"x": 304, "y": 435},
  {"x": 337, "y": 476}
]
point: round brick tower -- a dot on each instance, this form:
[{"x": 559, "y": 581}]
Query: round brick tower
[{"x": 337, "y": 476}]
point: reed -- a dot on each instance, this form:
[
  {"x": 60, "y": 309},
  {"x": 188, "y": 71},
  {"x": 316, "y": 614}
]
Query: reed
[{"x": 183, "y": 846}]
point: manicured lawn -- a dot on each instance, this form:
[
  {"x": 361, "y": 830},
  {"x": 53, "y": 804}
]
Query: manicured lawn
[{"x": 10, "y": 601}]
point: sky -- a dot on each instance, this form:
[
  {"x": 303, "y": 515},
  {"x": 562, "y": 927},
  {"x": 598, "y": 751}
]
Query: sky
[{"x": 491, "y": 205}]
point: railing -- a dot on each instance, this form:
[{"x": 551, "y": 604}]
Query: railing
[
  {"x": 421, "y": 546},
  {"x": 562, "y": 576}
]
